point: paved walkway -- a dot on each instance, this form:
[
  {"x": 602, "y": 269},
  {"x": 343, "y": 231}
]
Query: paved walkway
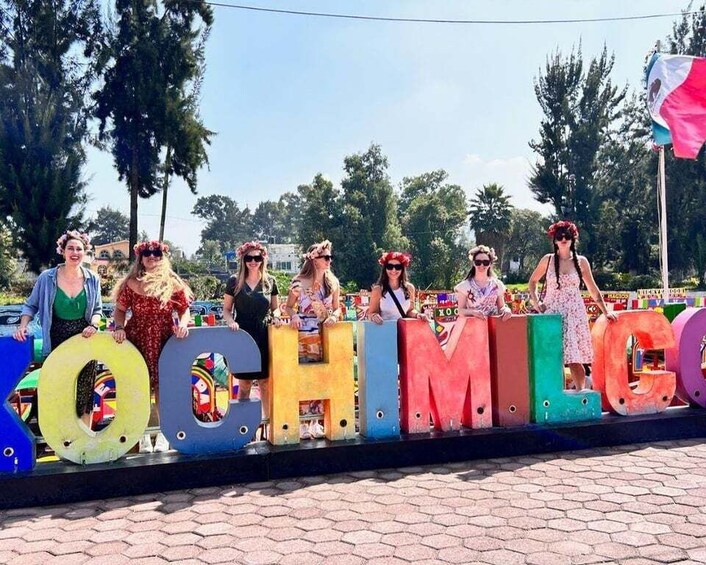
[{"x": 635, "y": 504}]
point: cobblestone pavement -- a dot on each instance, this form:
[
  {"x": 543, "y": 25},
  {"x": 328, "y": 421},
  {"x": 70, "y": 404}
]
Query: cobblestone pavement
[{"x": 633, "y": 504}]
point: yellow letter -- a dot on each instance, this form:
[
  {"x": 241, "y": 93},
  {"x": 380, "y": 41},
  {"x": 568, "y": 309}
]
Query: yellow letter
[
  {"x": 331, "y": 381},
  {"x": 60, "y": 426}
]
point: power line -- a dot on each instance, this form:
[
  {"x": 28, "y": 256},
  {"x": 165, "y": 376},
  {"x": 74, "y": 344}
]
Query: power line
[{"x": 446, "y": 21}]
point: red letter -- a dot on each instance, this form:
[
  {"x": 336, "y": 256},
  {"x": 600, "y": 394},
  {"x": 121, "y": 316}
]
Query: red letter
[{"x": 452, "y": 386}]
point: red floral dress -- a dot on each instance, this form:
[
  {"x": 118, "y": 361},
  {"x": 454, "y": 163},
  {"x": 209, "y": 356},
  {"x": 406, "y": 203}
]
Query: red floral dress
[{"x": 151, "y": 324}]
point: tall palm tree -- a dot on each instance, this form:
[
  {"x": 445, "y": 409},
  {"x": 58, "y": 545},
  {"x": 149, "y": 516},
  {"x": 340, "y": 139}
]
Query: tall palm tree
[{"x": 490, "y": 217}]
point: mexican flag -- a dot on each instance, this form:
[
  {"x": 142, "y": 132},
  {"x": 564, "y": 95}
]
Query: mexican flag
[{"x": 676, "y": 100}]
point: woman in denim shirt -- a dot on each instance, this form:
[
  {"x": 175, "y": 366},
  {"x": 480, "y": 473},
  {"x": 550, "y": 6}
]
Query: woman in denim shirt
[{"x": 67, "y": 300}]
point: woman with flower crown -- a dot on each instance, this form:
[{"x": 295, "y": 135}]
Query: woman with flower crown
[
  {"x": 481, "y": 294},
  {"x": 67, "y": 300},
  {"x": 565, "y": 271},
  {"x": 153, "y": 293},
  {"x": 316, "y": 291},
  {"x": 392, "y": 297},
  {"x": 248, "y": 304}
]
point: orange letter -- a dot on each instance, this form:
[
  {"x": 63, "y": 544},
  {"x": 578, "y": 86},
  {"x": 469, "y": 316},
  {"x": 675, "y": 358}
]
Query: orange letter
[{"x": 655, "y": 389}]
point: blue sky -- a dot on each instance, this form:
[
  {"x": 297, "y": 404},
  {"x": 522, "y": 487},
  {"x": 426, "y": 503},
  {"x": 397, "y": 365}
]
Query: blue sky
[{"x": 290, "y": 96}]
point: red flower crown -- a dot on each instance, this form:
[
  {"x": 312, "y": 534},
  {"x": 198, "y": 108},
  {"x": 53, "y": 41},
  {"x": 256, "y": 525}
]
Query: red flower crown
[
  {"x": 251, "y": 245},
  {"x": 138, "y": 248},
  {"x": 403, "y": 258},
  {"x": 565, "y": 226}
]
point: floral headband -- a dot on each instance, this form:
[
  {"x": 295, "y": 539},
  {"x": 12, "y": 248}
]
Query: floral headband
[
  {"x": 72, "y": 234},
  {"x": 403, "y": 258},
  {"x": 565, "y": 226},
  {"x": 316, "y": 249},
  {"x": 153, "y": 245},
  {"x": 489, "y": 251},
  {"x": 251, "y": 245}
]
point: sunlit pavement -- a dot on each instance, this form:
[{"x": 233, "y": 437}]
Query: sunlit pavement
[{"x": 634, "y": 504}]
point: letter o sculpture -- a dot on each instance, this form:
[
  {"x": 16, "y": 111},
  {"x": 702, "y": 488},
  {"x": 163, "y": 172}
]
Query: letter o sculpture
[{"x": 60, "y": 426}]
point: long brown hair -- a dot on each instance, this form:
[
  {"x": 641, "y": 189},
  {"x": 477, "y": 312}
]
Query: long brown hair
[
  {"x": 308, "y": 270},
  {"x": 384, "y": 281},
  {"x": 243, "y": 271},
  {"x": 161, "y": 283},
  {"x": 477, "y": 250}
]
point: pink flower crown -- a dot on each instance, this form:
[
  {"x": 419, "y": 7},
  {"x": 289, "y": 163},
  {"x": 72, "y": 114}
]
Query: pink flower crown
[
  {"x": 563, "y": 225},
  {"x": 403, "y": 258},
  {"x": 251, "y": 245},
  {"x": 138, "y": 248},
  {"x": 72, "y": 234},
  {"x": 316, "y": 249}
]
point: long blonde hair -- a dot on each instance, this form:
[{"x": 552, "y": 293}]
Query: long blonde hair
[
  {"x": 243, "y": 270},
  {"x": 161, "y": 283},
  {"x": 308, "y": 270}
]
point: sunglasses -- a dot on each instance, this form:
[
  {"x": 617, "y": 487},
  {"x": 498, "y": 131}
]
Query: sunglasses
[
  {"x": 250, "y": 258},
  {"x": 152, "y": 252},
  {"x": 325, "y": 257},
  {"x": 392, "y": 267},
  {"x": 479, "y": 262},
  {"x": 565, "y": 237}
]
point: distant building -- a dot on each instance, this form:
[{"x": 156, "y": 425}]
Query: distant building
[
  {"x": 111, "y": 258},
  {"x": 280, "y": 257},
  {"x": 284, "y": 257}
]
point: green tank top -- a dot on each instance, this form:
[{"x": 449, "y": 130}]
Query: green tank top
[{"x": 68, "y": 308}]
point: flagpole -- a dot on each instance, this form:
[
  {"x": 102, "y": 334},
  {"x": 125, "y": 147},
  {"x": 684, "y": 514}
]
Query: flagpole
[{"x": 663, "y": 225}]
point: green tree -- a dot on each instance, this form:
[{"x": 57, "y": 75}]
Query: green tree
[
  {"x": 490, "y": 217},
  {"x": 108, "y": 225},
  {"x": 579, "y": 106},
  {"x": 226, "y": 223},
  {"x": 44, "y": 80},
  {"x": 186, "y": 137},
  {"x": 369, "y": 220},
  {"x": 268, "y": 223},
  {"x": 149, "y": 57},
  {"x": 433, "y": 220},
  {"x": 527, "y": 242},
  {"x": 211, "y": 255},
  {"x": 625, "y": 185},
  {"x": 320, "y": 215},
  {"x": 290, "y": 204}
]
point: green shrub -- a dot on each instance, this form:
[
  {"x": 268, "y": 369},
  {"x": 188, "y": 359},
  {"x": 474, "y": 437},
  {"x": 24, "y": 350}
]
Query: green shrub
[
  {"x": 206, "y": 287},
  {"x": 644, "y": 281}
]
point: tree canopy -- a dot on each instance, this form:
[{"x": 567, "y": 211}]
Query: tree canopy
[
  {"x": 150, "y": 59},
  {"x": 43, "y": 125}
]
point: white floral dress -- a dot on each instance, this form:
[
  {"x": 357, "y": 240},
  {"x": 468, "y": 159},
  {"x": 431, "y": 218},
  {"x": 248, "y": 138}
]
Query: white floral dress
[
  {"x": 484, "y": 298},
  {"x": 567, "y": 301}
]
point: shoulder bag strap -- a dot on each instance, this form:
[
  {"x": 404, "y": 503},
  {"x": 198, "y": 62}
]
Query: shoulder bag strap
[{"x": 397, "y": 302}]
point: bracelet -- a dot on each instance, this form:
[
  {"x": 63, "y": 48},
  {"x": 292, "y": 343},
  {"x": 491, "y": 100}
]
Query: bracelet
[
  {"x": 95, "y": 326},
  {"x": 118, "y": 328}
]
